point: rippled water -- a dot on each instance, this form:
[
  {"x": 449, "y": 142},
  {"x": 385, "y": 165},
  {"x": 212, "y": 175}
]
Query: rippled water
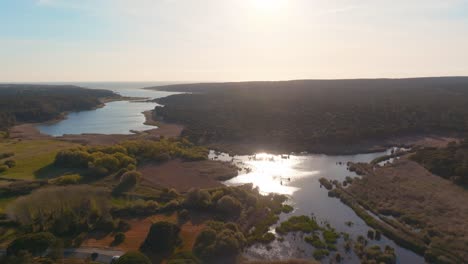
[
  {"x": 297, "y": 176},
  {"x": 120, "y": 117}
]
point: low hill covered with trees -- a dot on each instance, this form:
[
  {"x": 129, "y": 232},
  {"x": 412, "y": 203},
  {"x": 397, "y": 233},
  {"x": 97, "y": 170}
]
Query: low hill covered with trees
[
  {"x": 38, "y": 103},
  {"x": 450, "y": 162},
  {"x": 307, "y": 114}
]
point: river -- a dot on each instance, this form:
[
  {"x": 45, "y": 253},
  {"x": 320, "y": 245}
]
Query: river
[
  {"x": 293, "y": 175},
  {"x": 297, "y": 176}
]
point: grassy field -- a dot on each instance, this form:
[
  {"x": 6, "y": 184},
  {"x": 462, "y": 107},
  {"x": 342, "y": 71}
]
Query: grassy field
[{"x": 31, "y": 156}]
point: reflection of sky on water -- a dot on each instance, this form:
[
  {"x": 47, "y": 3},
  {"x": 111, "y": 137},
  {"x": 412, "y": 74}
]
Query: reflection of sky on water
[
  {"x": 121, "y": 117},
  {"x": 271, "y": 173},
  {"x": 297, "y": 176}
]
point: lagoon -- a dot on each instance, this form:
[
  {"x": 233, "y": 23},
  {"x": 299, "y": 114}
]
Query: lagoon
[{"x": 121, "y": 117}]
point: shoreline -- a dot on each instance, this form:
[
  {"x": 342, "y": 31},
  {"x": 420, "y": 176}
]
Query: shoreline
[{"x": 364, "y": 147}]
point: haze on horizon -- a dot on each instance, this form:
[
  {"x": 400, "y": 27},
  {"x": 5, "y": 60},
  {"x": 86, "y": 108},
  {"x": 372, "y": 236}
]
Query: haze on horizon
[{"x": 230, "y": 40}]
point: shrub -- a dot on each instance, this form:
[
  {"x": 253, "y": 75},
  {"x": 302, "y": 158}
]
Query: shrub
[
  {"x": 198, "y": 199},
  {"x": 35, "y": 244},
  {"x": 67, "y": 180},
  {"x": 320, "y": 254},
  {"x": 119, "y": 238},
  {"x": 315, "y": 242},
  {"x": 287, "y": 209},
  {"x": 298, "y": 223},
  {"x": 122, "y": 226},
  {"x": 183, "y": 215},
  {"x": 6, "y": 155},
  {"x": 77, "y": 158},
  {"x": 133, "y": 258},
  {"x": 184, "y": 258},
  {"x": 127, "y": 182},
  {"x": 10, "y": 163},
  {"x": 326, "y": 183},
  {"x": 219, "y": 240},
  {"x": 229, "y": 205},
  {"x": 63, "y": 210},
  {"x": 3, "y": 168},
  {"x": 330, "y": 236},
  {"x": 105, "y": 224},
  {"x": 163, "y": 237}
]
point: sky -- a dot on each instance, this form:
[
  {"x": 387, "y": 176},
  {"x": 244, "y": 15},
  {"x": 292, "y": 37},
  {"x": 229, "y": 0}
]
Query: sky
[{"x": 231, "y": 40}]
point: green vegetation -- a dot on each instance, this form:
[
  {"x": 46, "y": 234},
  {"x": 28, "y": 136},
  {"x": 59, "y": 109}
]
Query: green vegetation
[
  {"x": 330, "y": 236},
  {"x": 133, "y": 258},
  {"x": 36, "y": 243},
  {"x": 64, "y": 211},
  {"x": 119, "y": 238},
  {"x": 320, "y": 254},
  {"x": 298, "y": 224},
  {"x": 127, "y": 181},
  {"x": 162, "y": 238},
  {"x": 229, "y": 205},
  {"x": 450, "y": 162},
  {"x": 67, "y": 180},
  {"x": 184, "y": 258},
  {"x": 313, "y": 115},
  {"x": 102, "y": 161},
  {"x": 219, "y": 241},
  {"x": 33, "y": 158},
  {"x": 287, "y": 209},
  {"x": 38, "y": 103},
  {"x": 326, "y": 183},
  {"x": 315, "y": 241},
  {"x": 375, "y": 253}
]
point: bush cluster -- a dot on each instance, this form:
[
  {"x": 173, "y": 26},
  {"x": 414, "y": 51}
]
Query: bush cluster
[{"x": 219, "y": 241}]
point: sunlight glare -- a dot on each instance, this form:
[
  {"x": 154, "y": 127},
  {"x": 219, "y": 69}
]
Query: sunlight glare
[{"x": 268, "y": 5}]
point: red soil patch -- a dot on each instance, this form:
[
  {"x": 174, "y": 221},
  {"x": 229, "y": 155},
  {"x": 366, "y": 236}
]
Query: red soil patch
[
  {"x": 185, "y": 175},
  {"x": 139, "y": 230}
]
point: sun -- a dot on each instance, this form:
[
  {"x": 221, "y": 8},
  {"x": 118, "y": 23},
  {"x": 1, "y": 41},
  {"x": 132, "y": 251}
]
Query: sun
[{"x": 269, "y": 5}]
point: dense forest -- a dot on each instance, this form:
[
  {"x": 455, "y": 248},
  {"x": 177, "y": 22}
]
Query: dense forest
[
  {"x": 37, "y": 103},
  {"x": 300, "y": 115},
  {"x": 450, "y": 162}
]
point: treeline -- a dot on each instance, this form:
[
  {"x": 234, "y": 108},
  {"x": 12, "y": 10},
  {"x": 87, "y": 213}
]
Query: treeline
[
  {"x": 104, "y": 160},
  {"x": 450, "y": 162},
  {"x": 300, "y": 115},
  {"x": 38, "y": 103}
]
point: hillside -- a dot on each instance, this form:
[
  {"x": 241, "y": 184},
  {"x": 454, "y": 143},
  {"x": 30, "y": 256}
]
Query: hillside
[
  {"x": 305, "y": 115},
  {"x": 38, "y": 103}
]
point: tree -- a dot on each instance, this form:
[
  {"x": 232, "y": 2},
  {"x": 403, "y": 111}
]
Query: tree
[
  {"x": 127, "y": 181},
  {"x": 198, "y": 198},
  {"x": 133, "y": 258},
  {"x": 163, "y": 237},
  {"x": 219, "y": 240},
  {"x": 229, "y": 205},
  {"x": 35, "y": 244}
]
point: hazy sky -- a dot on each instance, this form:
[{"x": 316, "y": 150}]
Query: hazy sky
[{"x": 230, "y": 40}]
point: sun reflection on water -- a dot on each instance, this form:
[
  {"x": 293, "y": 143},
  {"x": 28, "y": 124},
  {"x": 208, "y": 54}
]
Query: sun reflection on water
[{"x": 270, "y": 173}]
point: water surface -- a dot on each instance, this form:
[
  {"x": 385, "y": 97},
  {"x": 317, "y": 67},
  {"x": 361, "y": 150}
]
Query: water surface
[
  {"x": 297, "y": 176},
  {"x": 122, "y": 117}
]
